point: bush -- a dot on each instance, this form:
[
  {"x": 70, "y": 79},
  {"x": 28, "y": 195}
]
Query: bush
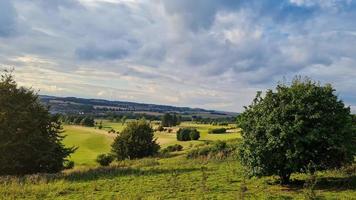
[
  {"x": 218, "y": 149},
  {"x": 68, "y": 164},
  {"x": 30, "y": 137},
  {"x": 294, "y": 126},
  {"x": 173, "y": 148},
  {"x": 105, "y": 159},
  {"x": 187, "y": 134},
  {"x": 194, "y": 134},
  {"x": 135, "y": 141},
  {"x": 111, "y": 131},
  {"x": 87, "y": 121},
  {"x": 217, "y": 131},
  {"x": 160, "y": 128}
]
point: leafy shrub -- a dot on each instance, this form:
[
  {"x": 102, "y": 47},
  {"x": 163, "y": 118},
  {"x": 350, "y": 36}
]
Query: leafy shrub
[
  {"x": 217, "y": 131},
  {"x": 183, "y": 134},
  {"x": 218, "y": 149},
  {"x": 105, "y": 159},
  {"x": 173, "y": 148},
  {"x": 111, "y": 131},
  {"x": 194, "y": 134},
  {"x": 160, "y": 128},
  {"x": 69, "y": 164},
  {"x": 135, "y": 141},
  {"x": 187, "y": 134},
  {"x": 30, "y": 137},
  {"x": 87, "y": 121},
  {"x": 294, "y": 126}
]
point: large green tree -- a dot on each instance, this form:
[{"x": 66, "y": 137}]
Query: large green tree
[
  {"x": 135, "y": 141},
  {"x": 293, "y": 127},
  {"x": 30, "y": 140}
]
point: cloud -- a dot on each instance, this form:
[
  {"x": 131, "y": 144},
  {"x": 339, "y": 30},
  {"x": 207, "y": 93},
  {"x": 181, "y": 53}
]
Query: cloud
[
  {"x": 202, "y": 53},
  {"x": 7, "y": 18}
]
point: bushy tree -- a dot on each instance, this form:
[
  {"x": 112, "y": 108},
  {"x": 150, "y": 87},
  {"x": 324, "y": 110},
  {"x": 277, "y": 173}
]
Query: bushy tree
[
  {"x": 183, "y": 134},
  {"x": 194, "y": 134},
  {"x": 187, "y": 134},
  {"x": 88, "y": 121},
  {"x": 135, "y": 141},
  {"x": 294, "y": 127},
  {"x": 30, "y": 139},
  {"x": 78, "y": 120},
  {"x": 169, "y": 120}
]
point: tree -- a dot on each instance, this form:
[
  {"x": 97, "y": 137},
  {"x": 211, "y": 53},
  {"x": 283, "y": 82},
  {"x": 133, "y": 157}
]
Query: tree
[
  {"x": 194, "y": 134},
  {"x": 123, "y": 120},
  {"x": 88, "y": 121},
  {"x": 100, "y": 125},
  {"x": 78, "y": 120},
  {"x": 30, "y": 138},
  {"x": 169, "y": 120},
  {"x": 187, "y": 134},
  {"x": 294, "y": 127},
  {"x": 166, "y": 120},
  {"x": 135, "y": 141}
]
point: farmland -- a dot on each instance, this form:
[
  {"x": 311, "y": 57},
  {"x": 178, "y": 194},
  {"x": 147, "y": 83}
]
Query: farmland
[
  {"x": 92, "y": 142},
  {"x": 173, "y": 177}
]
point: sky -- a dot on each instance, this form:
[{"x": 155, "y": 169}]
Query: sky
[{"x": 212, "y": 54}]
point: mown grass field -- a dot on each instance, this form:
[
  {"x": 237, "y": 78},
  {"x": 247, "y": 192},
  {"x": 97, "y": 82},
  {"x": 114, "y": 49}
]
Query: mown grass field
[
  {"x": 90, "y": 142},
  {"x": 174, "y": 177}
]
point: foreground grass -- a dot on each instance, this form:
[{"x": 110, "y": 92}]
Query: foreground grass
[
  {"x": 175, "y": 177},
  {"x": 171, "y": 178}
]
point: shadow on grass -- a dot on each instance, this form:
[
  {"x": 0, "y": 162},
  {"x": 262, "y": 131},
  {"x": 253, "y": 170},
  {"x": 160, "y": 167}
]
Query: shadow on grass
[
  {"x": 327, "y": 183},
  {"x": 113, "y": 172},
  {"x": 337, "y": 184}
]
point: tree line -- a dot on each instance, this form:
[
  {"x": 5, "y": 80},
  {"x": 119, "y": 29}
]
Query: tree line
[{"x": 82, "y": 120}]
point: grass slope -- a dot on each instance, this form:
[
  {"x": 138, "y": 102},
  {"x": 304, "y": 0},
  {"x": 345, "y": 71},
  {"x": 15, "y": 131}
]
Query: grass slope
[
  {"x": 90, "y": 143},
  {"x": 170, "y": 178}
]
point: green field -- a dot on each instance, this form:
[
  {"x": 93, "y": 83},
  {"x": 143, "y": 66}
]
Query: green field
[
  {"x": 91, "y": 142},
  {"x": 174, "y": 177}
]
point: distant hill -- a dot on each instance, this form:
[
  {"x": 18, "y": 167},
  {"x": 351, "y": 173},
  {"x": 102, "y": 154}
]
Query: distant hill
[{"x": 74, "y": 105}]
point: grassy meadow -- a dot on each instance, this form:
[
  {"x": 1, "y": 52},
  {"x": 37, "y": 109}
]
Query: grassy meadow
[{"x": 172, "y": 177}]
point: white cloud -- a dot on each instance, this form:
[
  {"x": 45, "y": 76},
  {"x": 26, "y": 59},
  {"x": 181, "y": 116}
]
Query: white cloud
[{"x": 203, "y": 53}]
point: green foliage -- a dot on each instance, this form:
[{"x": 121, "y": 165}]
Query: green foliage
[
  {"x": 100, "y": 125},
  {"x": 112, "y": 131},
  {"x": 173, "y": 148},
  {"x": 169, "y": 120},
  {"x": 30, "y": 140},
  {"x": 160, "y": 128},
  {"x": 87, "y": 121},
  {"x": 194, "y": 134},
  {"x": 68, "y": 164},
  {"x": 135, "y": 141},
  {"x": 105, "y": 159},
  {"x": 217, "y": 131},
  {"x": 218, "y": 149},
  {"x": 187, "y": 134},
  {"x": 294, "y": 126}
]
